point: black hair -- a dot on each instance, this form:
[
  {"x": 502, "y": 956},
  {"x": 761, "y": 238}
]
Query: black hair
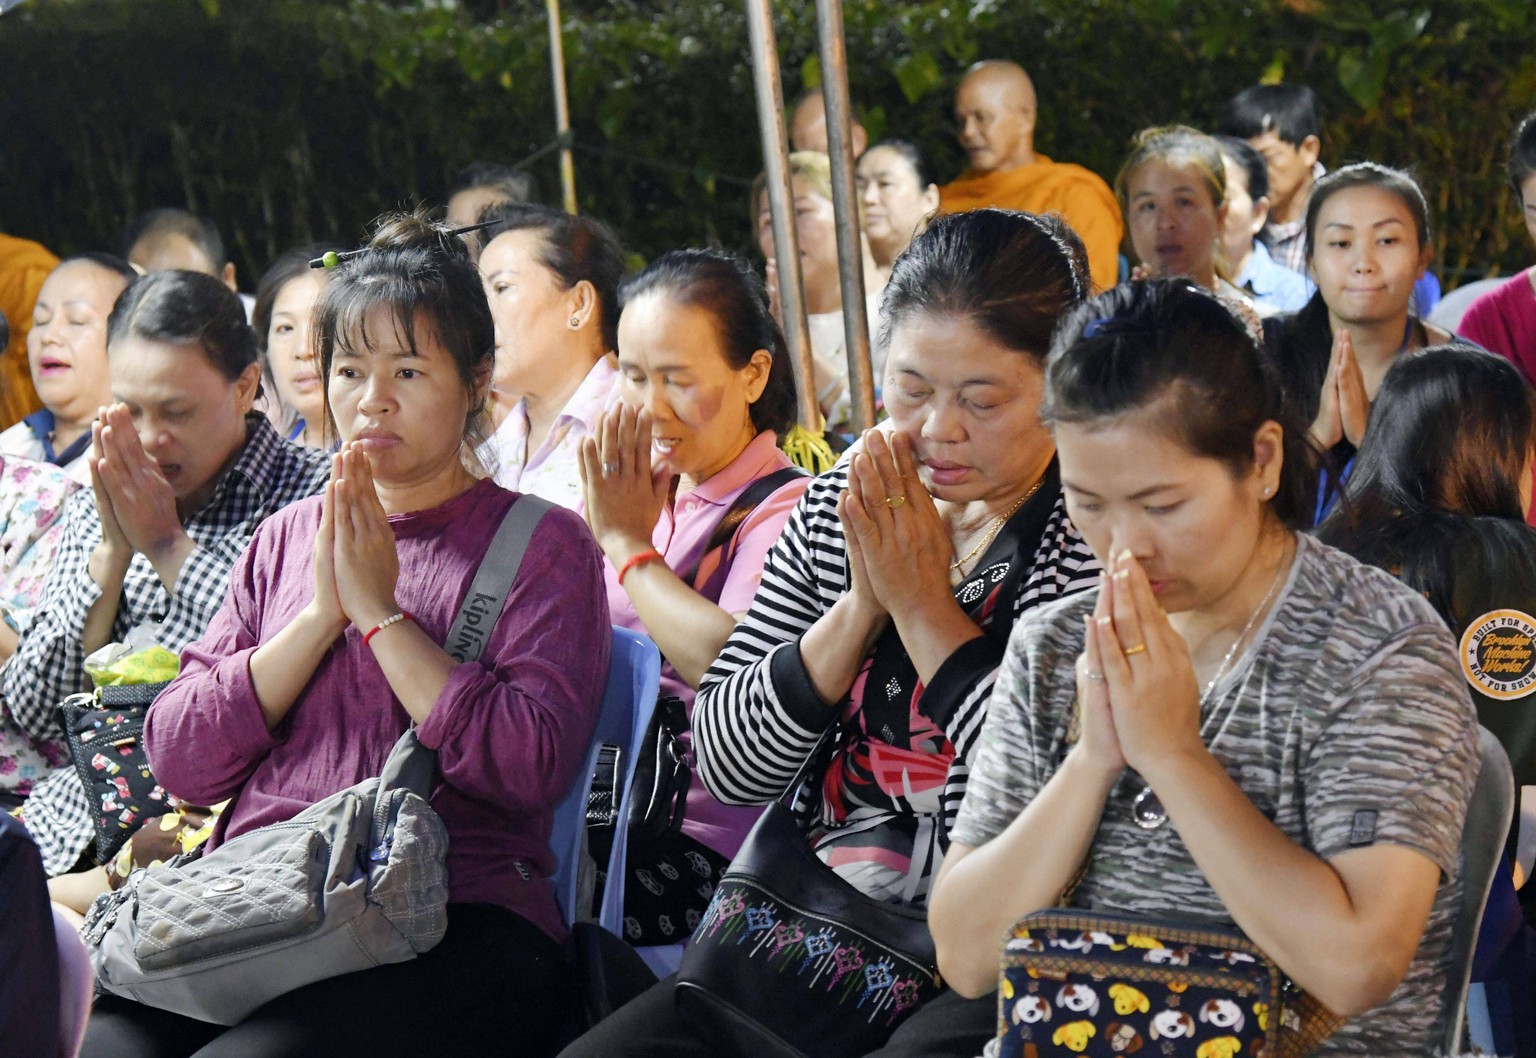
[
  {"x": 1302, "y": 342},
  {"x": 179, "y": 307},
  {"x": 726, "y": 287},
  {"x": 1250, "y": 161},
  {"x": 574, "y": 248},
  {"x": 1368, "y": 174},
  {"x": 289, "y": 265},
  {"x": 5, "y": 331},
  {"x": 1167, "y": 341},
  {"x": 1439, "y": 474},
  {"x": 106, "y": 262},
  {"x": 913, "y": 157},
  {"x": 1287, "y": 110},
  {"x": 158, "y": 223},
  {"x": 1450, "y": 429},
  {"x": 1010, "y": 274},
  {"x": 414, "y": 269},
  {"x": 1522, "y": 156},
  {"x": 517, "y": 185}
]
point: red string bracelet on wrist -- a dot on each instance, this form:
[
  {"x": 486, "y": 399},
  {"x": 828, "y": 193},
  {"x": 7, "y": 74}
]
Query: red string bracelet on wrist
[
  {"x": 392, "y": 619},
  {"x": 639, "y": 560}
]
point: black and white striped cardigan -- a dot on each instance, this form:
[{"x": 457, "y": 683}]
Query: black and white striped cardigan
[{"x": 757, "y": 715}]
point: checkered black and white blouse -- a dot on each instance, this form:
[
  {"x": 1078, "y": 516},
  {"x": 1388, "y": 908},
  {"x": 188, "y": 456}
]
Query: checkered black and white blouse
[{"x": 49, "y": 663}]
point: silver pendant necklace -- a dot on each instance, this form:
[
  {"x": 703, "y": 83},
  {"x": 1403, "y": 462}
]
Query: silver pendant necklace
[{"x": 1147, "y": 810}]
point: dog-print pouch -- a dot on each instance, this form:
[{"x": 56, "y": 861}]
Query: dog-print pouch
[{"x": 1083, "y": 985}]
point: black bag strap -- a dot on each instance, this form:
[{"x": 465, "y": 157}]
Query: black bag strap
[
  {"x": 748, "y": 501},
  {"x": 411, "y": 765},
  {"x": 663, "y": 810},
  {"x": 828, "y": 736}
]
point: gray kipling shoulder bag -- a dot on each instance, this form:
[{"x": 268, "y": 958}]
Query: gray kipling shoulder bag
[{"x": 354, "y": 881}]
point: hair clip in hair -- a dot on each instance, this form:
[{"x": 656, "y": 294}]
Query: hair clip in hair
[
  {"x": 331, "y": 258},
  {"x": 1108, "y": 326},
  {"x": 1105, "y": 325}
]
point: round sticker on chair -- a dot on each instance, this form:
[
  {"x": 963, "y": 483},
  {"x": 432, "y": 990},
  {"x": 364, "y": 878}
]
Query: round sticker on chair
[{"x": 1498, "y": 654}]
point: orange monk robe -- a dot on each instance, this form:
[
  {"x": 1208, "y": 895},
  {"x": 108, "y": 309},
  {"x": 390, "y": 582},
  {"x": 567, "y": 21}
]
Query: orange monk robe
[
  {"x": 1077, "y": 194},
  {"x": 23, "y": 267}
]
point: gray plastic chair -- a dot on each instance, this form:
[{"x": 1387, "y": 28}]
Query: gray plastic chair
[{"x": 1489, "y": 815}]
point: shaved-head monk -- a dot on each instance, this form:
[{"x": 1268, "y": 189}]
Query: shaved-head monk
[
  {"x": 995, "y": 115},
  {"x": 808, "y": 126}
]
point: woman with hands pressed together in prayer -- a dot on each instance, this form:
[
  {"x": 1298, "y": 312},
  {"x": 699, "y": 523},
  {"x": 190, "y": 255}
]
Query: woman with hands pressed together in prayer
[
  {"x": 182, "y": 473},
  {"x": 329, "y": 647},
  {"x": 1368, "y": 243},
  {"x": 885, "y": 605},
  {"x": 686, "y": 491},
  {"x": 1243, "y": 726}
]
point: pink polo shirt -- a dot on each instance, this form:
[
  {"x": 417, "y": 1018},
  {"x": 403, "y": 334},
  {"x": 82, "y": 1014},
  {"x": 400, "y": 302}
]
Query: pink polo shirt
[
  {"x": 681, "y": 535},
  {"x": 553, "y": 472}
]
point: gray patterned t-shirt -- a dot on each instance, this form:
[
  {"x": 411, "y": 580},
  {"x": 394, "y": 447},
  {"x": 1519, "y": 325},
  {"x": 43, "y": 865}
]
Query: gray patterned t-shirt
[{"x": 1346, "y": 722}]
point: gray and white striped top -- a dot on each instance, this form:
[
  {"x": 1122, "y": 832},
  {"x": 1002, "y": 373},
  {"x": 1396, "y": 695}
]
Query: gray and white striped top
[{"x": 1347, "y": 723}]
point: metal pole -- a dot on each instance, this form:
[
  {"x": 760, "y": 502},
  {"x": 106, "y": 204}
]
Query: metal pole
[
  {"x": 845, "y": 209},
  {"x": 786, "y": 248},
  {"x": 562, "y": 106}
]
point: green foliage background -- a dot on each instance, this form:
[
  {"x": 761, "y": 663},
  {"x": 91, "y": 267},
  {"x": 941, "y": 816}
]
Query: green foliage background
[{"x": 295, "y": 120}]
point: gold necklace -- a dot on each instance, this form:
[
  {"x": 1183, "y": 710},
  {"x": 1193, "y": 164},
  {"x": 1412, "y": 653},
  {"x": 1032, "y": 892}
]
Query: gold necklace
[{"x": 997, "y": 527}]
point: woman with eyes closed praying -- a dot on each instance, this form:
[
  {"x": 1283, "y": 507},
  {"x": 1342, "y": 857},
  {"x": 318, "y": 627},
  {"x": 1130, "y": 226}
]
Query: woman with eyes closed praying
[
  {"x": 686, "y": 491},
  {"x": 1244, "y": 726},
  {"x": 886, "y": 605},
  {"x": 182, "y": 472}
]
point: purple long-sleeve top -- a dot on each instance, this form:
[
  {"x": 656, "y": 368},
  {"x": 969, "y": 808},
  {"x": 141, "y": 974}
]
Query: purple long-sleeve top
[{"x": 510, "y": 730}]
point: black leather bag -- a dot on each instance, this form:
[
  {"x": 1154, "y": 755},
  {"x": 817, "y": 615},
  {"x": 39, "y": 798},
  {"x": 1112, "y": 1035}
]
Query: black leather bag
[
  {"x": 662, "y": 776},
  {"x": 790, "y": 961},
  {"x": 104, "y": 729}
]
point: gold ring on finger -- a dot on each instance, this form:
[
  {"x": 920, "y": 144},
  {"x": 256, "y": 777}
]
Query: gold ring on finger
[
  {"x": 1139, "y": 648},
  {"x": 896, "y": 502}
]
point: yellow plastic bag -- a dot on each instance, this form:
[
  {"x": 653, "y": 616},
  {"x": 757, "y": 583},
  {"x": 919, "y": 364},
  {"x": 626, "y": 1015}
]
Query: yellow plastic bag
[{"x": 116, "y": 664}]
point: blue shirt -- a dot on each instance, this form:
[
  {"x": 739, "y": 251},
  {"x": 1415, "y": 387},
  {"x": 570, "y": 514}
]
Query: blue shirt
[
  {"x": 1286, "y": 290},
  {"x": 41, "y": 424}
]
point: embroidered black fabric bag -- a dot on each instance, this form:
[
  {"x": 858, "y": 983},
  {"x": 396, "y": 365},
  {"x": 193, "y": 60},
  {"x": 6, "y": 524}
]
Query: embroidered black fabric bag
[
  {"x": 790, "y": 961},
  {"x": 104, "y": 729},
  {"x": 1086, "y": 985}
]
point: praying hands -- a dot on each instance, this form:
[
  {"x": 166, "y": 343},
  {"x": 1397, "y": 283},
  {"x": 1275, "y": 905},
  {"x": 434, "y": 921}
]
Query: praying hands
[
  {"x": 135, "y": 502},
  {"x": 356, "y": 564},
  {"x": 1344, "y": 407}
]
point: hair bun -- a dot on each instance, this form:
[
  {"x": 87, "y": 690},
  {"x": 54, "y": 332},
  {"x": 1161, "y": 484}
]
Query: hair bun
[{"x": 413, "y": 231}]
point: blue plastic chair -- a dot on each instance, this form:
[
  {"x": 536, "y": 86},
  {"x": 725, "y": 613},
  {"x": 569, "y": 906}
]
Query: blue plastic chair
[{"x": 634, "y": 678}]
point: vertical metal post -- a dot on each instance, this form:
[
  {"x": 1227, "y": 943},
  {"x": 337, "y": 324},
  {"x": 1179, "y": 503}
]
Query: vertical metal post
[
  {"x": 786, "y": 248},
  {"x": 845, "y": 208},
  {"x": 562, "y": 105}
]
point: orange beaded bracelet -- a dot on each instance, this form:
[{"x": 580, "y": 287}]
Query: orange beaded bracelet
[{"x": 639, "y": 560}]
